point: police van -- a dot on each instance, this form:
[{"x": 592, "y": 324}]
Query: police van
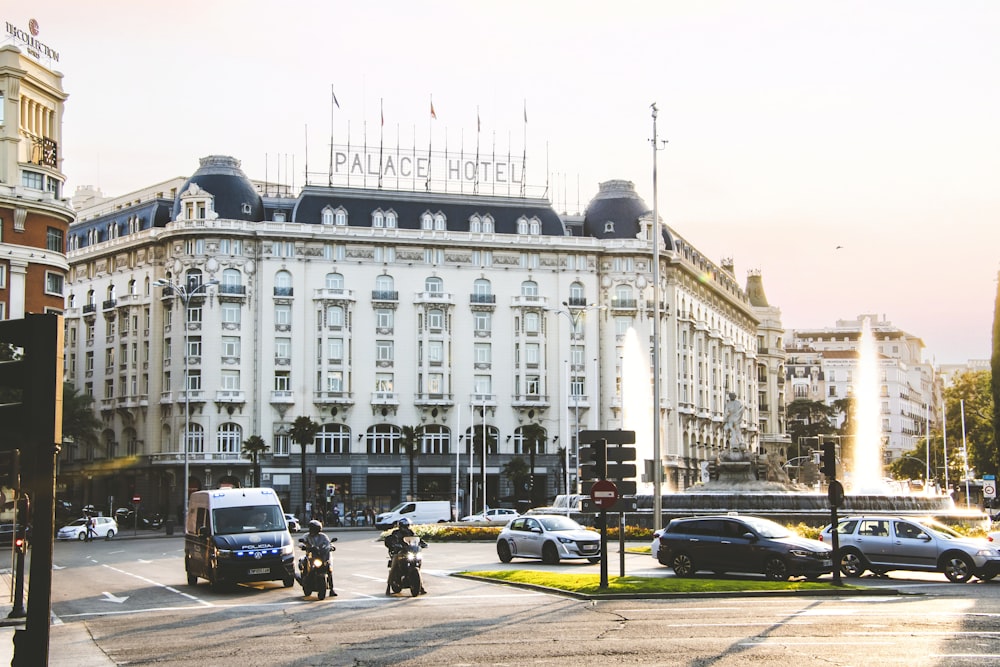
[{"x": 237, "y": 535}]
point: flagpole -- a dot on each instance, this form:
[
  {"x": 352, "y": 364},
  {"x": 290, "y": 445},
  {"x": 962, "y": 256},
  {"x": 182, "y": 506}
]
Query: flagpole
[
  {"x": 348, "y": 153},
  {"x": 430, "y": 141},
  {"x": 381, "y": 133},
  {"x": 307, "y": 154},
  {"x": 475, "y": 182},
  {"x": 493, "y": 188},
  {"x": 524, "y": 154},
  {"x": 509, "y": 174},
  {"x": 458, "y": 461},
  {"x": 333, "y": 102}
]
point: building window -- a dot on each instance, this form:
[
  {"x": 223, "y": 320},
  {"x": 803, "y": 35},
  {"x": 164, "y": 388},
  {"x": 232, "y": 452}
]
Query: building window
[
  {"x": 282, "y": 381},
  {"x": 194, "y": 347},
  {"x": 333, "y": 439},
  {"x": 281, "y": 441},
  {"x": 336, "y": 350},
  {"x": 231, "y": 312},
  {"x": 196, "y": 439},
  {"x": 532, "y": 323},
  {"x": 335, "y": 381},
  {"x": 531, "y": 354},
  {"x": 435, "y": 439},
  {"x": 384, "y": 318},
  {"x": 230, "y": 438},
  {"x": 435, "y": 351},
  {"x": 282, "y": 348},
  {"x": 435, "y": 319},
  {"x": 283, "y": 315},
  {"x": 327, "y": 216},
  {"x": 383, "y": 350},
  {"x": 55, "y": 240},
  {"x": 383, "y": 439},
  {"x": 335, "y": 317},
  {"x": 334, "y": 281},
  {"x": 483, "y": 353},
  {"x": 482, "y": 322},
  {"x": 53, "y": 283},
  {"x": 230, "y": 380},
  {"x": 231, "y": 347},
  {"x": 33, "y": 180}
]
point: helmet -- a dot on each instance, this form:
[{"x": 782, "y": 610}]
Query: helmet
[
  {"x": 315, "y": 526},
  {"x": 403, "y": 523}
]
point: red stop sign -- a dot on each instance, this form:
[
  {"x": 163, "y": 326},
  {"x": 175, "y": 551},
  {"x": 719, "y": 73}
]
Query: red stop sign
[{"x": 604, "y": 493}]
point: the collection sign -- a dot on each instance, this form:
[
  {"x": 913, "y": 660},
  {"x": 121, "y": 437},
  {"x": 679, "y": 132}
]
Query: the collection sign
[
  {"x": 29, "y": 39},
  {"x": 404, "y": 165}
]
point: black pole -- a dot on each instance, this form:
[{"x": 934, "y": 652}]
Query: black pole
[
  {"x": 604, "y": 549},
  {"x": 621, "y": 543}
]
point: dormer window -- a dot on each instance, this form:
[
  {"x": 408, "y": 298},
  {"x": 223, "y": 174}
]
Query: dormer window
[
  {"x": 439, "y": 222},
  {"x": 488, "y": 224},
  {"x": 279, "y": 216},
  {"x": 390, "y": 219},
  {"x": 378, "y": 218},
  {"x": 427, "y": 221},
  {"x": 609, "y": 227}
]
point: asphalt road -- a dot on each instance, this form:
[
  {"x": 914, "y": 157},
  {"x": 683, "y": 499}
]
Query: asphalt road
[{"x": 130, "y": 597}]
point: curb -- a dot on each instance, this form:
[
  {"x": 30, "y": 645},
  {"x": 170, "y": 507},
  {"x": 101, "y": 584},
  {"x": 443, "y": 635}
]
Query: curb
[{"x": 704, "y": 594}]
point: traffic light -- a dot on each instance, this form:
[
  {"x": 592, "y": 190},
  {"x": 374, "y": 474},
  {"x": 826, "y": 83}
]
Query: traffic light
[
  {"x": 829, "y": 459},
  {"x": 594, "y": 460},
  {"x": 31, "y": 367}
]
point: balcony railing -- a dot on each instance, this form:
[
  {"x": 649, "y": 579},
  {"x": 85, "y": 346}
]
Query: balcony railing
[
  {"x": 281, "y": 396},
  {"x": 385, "y": 295},
  {"x": 482, "y": 298},
  {"x": 283, "y": 291},
  {"x": 230, "y": 396}
]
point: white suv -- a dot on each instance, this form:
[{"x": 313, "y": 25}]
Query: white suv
[{"x": 885, "y": 543}]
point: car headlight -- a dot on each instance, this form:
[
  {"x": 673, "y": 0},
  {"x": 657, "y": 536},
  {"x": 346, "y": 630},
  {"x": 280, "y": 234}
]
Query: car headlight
[
  {"x": 287, "y": 549},
  {"x": 566, "y": 540},
  {"x": 223, "y": 554},
  {"x": 988, "y": 553},
  {"x": 800, "y": 553}
]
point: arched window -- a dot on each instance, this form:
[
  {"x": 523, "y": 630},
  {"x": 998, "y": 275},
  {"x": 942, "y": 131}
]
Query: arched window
[
  {"x": 488, "y": 224},
  {"x": 482, "y": 287},
  {"x": 341, "y": 217},
  {"x": 196, "y": 439},
  {"x": 384, "y": 283},
  {"x": 523, "y": 445},
  {"x": 378, "y": 218},
  {"x": 436, "y": 439},
  {"x": 475, "y": 224},
  {"x": 426, "y": 221},
  {"x": 231, "y": 278},
  {"x": 522, "y": 225},
  {"x": 529, "y": 288},
  {"x": 282, "y": 283},
  {"x": 434, "y": 285},
  {"x": 439, "y": 221},
  {"x": 383, "y": 439},
  {"x": 333, "y": 439},
  {"x": 334, "y": 281},
  {"x": 390, "y": 219},
  {"x": 577, "y": 295},
  {"x": 230, "y": 438},
  {"x": 192, "y": 279},
  {"x": 328, "y": 216}
]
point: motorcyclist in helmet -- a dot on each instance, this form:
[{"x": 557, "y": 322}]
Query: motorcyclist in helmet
[
  {"x": 318, "y": 540},
  {"x": 394, "y": 542}
]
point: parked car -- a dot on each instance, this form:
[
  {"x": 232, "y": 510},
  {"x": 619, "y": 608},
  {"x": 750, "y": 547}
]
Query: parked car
[
  {"x": 293, "y": 523},
  {"x": 104, "y": 526},
  {"x": 494, "y": 515},
  {"x": 551, "y": 537},
  {"x": 885, "y": 543},
  {"x": 738, "y": 543}
]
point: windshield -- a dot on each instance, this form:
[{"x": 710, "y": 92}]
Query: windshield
[
  {"x": 766, "y": 528},
  {"x": 248, "y": 519},
  {"x": 560, "y": 523}
]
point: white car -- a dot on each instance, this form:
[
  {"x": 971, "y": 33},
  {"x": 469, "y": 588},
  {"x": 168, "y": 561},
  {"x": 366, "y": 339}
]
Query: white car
[
  {"x": 551, "y": 537},
  {"x": 104, "y": 526},
  {"x": 496, "y": 515},
  {"x": 293, "y": 523}
]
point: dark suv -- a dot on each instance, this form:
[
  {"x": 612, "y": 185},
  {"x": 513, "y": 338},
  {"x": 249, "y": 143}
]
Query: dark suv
[{"x": 734, "y": 543}]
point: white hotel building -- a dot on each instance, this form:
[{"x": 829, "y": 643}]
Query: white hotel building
[{"x": 369, "y": 310}]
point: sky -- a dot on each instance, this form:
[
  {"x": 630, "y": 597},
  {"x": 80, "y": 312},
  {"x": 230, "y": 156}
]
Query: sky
[{"x": 849, "y": 151}]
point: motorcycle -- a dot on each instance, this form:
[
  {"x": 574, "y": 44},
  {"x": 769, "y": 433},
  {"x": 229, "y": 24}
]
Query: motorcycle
[
  {"x": 404, "y": 567},
  {"x": 315, "y": 572}
]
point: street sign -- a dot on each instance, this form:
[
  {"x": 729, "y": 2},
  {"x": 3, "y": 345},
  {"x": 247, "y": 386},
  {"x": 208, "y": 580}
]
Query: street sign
[
  {"x": 624, "y": 504},
  {"x": 611, "y": 437},
  {"x": 136, "y": 499},
  {"x": 989, "y": 489},
  {"x": 604, "y": 494},
  {"x": 625, "y": 488}
]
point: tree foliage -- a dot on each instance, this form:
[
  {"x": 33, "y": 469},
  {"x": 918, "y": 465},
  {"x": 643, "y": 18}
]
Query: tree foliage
[
  {"x": 80, "y": 423},
  {"x": 972, "y": 391},
  {"x": 253, "y": 447},
  {"x": 518, "y": 473},
  {"x": 807, "y": 419},
  {"x": 304, "y": 432},
  {"x": 995, "y": 367}
]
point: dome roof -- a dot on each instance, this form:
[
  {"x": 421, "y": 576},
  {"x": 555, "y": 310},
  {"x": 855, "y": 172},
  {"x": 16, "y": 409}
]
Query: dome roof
[
  {"x": 235, "y": 197},
  {"x": 614, "y": 213}
]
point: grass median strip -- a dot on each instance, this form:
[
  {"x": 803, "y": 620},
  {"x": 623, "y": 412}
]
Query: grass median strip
[{"x": 589, "y": 584}]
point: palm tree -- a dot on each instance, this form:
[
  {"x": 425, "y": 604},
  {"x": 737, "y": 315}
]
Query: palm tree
[
  {"x": 253, "y": 447},
  {"x": 410, "y": 441},
  {"x": 534, "y": 438},
  {"x": 304, "y": 432},
  {"x": 518, "y": 474},
  {"x": 79, "y": 421}
]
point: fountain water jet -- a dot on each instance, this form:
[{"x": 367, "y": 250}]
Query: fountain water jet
[
  {"x": 866, "y": 472},
  {"x": 637, "y": 401}
]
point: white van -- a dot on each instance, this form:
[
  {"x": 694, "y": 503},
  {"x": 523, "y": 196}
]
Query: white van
[
  {"x": 237, "y": 535},
  {"x": 417, "y": 511}
]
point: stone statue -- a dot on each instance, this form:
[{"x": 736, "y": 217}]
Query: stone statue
[{"x": 731, "y": 418}]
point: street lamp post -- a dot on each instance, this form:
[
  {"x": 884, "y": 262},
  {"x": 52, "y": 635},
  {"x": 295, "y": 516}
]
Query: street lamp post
[
  {"x": 185, "y": 295},
  {"x": 574, "y": 314}
]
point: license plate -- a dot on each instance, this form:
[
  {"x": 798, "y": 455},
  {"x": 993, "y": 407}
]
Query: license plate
[
  {"x": 259, "y": 570},
  {"x": 587, "y": 548},
  {"x": 827, "y": 563}
]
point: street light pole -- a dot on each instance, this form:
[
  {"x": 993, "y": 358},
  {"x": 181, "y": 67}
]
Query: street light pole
[
  {"x": 185, "y": 296},
  {"x": 574, "y": 314}
]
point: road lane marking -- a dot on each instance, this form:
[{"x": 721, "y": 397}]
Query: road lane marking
[{"x": 159, "y": 585}]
